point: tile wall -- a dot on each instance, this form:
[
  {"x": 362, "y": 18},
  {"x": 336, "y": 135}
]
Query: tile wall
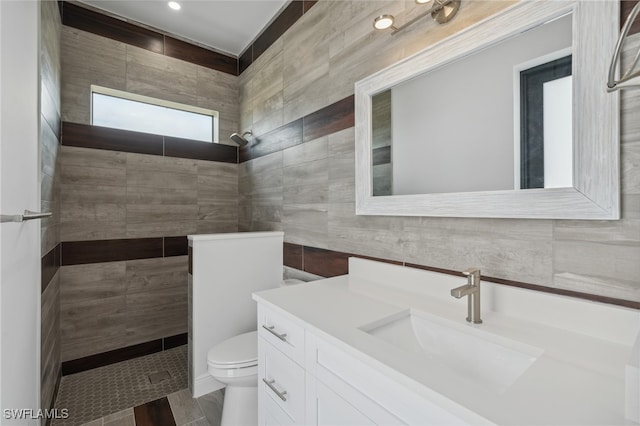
[
  {"x": 50, "y": 25},
  {"x": 109, "y": 195},
  {"x": 308, "y": 190}
]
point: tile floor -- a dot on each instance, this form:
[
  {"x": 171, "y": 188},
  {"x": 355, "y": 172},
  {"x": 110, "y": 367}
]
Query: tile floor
[{"x": 145, "y": 391}]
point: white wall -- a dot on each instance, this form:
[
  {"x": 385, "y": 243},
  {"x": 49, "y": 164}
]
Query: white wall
[
  {"x": 453, "y": 129},
  {"x": 20, "y": 189}
]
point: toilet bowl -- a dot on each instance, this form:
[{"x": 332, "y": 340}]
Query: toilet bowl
[{"x": 234, "y": 363}]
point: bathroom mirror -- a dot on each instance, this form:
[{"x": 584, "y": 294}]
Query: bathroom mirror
[{"x": 509, "y": 118}]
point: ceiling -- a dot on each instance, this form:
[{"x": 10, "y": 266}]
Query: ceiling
[{"x": 225, "y": 25}]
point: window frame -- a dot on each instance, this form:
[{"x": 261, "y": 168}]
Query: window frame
[{"x": 215, "y": 115}]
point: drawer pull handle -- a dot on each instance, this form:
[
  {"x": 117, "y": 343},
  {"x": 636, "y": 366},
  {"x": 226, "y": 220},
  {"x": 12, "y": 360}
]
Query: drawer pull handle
[
  {"x": 270, "y": 383},
  {"x": 271, "y": 330}
]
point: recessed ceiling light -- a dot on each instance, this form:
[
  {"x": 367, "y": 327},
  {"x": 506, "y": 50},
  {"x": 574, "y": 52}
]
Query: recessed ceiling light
[{"x": 174, "y": 5}]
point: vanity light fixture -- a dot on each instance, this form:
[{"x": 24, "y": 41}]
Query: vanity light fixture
[
  {"x": 174, "y": 5},
  {"x": 383, "y": 22},
  {"x": 442, "y": 11}
]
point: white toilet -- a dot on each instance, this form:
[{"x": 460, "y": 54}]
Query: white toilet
[{"x": 234, "y": 362}]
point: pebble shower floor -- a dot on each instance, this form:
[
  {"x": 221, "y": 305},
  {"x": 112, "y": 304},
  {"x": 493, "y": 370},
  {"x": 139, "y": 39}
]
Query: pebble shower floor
[{"x": 96, "y": 393}]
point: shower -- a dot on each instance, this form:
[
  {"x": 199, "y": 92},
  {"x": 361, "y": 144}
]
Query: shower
[{"x": 240, "y": 140}]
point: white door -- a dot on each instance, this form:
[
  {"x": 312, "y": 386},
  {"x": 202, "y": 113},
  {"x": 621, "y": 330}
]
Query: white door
[{"x": 19, "y": 190}]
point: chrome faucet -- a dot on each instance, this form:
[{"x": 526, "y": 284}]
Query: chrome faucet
[{"x": 471, "y": 289}]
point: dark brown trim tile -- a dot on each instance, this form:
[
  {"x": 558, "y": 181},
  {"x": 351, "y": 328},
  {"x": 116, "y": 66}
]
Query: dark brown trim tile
[
  {"x": 154, "y": 413},
  {"x": 625, "y": 10},
  {"x": 50, "y": 263},
  {"x": 200, "y": 56},
  {"x": 97, "y": 137},
  {"x": 197, "y": 150},
  {"x": 276, "y": 140},
  {"x": 176, "y": 246},
  {"x": 308, "y": 4},
  {"x": 292, "y": 255},
  {"x": 111, "y": 357},
  {"x": 330, "y": 119},
  {"x": 279, "y": 26},
  {"x": 115, "y": 29},
  {"x": 174, "y": 341},
  {"x": 326, "y": 263},
  {"x": 190, "y": 254},
  {"x": 245, "y": 59},
  {"x": 136, "y": 35},
  {"x": 381, "y": 155},
  {"x": 83, "y": 252}
]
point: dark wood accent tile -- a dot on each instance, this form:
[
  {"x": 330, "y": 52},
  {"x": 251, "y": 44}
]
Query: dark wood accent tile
[
  {"x": 381, "y": 155},
  {"x": 82, "y": 252},
  {"x": 326, "y": 263},
  {"x": 97, "y": 137},
  {"x": 154, "y": 413},
  {"x": 308, "y": 4},
  {"x": 175, "y": 341},
  {"x": 276, "y": 140},
  {"x": 292, "y": 255},
  {"x": 330, "y": 119},
  {"x": 198, "y": 55},
  {"x": 245, "y": 59},
  {"x": 282, "y": 23},
  {"x": 190, "y": 260},
  {"x": 625, "y": 10},
  {"x": 111, "y": 357},
  {"x": 197, "y": 150},
  {"x": 50, "y": 263},
  {"x": 115, "y": 29},
  {"x": 176, "y": 246}
]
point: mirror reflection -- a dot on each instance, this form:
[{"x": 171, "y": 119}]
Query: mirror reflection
[{"x": 498, "y": 119}]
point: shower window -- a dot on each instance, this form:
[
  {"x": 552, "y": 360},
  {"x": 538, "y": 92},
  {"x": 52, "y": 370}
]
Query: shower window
[{"x": 128, "y": 111}]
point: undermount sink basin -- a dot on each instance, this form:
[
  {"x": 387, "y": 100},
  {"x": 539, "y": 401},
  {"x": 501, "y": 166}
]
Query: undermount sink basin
[{"x": 466, "y": 351}]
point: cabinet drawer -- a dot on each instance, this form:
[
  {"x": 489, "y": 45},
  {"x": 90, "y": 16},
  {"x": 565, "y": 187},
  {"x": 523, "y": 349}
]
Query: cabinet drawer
[
  {"x": 282, "y": 333},
  {"x": 281, "y": 381}
]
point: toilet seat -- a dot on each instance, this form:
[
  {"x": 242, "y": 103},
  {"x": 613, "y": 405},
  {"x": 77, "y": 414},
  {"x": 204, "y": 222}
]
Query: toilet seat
[{"x": 238, "y": 352}]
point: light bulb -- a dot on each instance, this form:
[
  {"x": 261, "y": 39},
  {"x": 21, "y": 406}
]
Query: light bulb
[
  {"x": 383, "y": 22},
  {"x": 174, "y": 5}
]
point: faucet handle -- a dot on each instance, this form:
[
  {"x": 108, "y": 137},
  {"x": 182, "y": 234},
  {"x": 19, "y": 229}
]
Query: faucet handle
[
  {"x": 473, "y": 275},
  {"x": 471, "y": 271}
]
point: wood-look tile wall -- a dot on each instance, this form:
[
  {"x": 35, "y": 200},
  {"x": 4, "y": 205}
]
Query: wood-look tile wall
[
  {"x": 134, "y": 202},
  {"x": 50, "y": 72},
  {"x": 308, "y": 190},
  {"x": 116, "y": 196},
  {"x": 111, "y": 305},
  {"x": 92, "y": 59}
]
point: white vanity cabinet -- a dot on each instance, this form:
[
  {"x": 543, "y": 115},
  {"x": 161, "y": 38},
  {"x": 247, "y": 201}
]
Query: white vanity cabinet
[{"x": 306, "y": 380}]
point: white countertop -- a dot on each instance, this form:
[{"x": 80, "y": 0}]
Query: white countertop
[{"x": 578, "y": 379}]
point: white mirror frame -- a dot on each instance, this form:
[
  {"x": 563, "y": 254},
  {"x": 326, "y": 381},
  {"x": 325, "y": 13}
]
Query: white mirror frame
[{"x": 596, "y": 159}]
